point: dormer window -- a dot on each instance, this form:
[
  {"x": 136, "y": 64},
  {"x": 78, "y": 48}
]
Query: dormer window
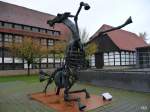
[
  {"x": 16, "y": 26},
  {"x": 35, "y": 29},
  {"x": 8, "y": 25},
  {"x": 27, "y": 28}
]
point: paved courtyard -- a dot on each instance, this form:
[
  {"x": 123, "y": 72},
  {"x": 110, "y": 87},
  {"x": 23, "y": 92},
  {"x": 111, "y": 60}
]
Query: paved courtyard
[{"x": 14, "y": 97}]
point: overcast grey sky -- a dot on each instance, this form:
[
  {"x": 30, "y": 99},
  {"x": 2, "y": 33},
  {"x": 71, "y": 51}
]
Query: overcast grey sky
[{"x": 111, "y": 12}]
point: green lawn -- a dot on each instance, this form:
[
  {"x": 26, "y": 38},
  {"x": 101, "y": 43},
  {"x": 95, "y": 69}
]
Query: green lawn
[
  {"x": 31, "y": 79},
  {"x": 14, "y": 97}
]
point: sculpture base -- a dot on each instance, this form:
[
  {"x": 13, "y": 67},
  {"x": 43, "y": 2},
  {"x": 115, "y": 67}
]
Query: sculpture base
[{"x": 57, "y": 101}]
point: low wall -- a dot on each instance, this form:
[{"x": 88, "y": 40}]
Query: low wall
[
  {"x": 22, "y": 72},
  {"x": 137, "y": 81}
]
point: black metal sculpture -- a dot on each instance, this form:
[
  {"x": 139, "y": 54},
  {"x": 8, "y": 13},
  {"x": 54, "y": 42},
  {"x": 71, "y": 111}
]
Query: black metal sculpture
[{"x": 66, "y": 76}]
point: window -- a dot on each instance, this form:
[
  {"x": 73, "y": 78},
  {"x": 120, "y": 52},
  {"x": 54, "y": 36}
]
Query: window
[
  {"x": 37, "y": 41},
  {"x": 0, "y": 37},
  {"x": 26, "y": 65},
  {"x": 57, "y": 60},
  {"x": 18, "y": 39},
  {"x": 1, "y": 24},
  {"x": 106, "y": 59},
  {"x": 27, "y": 28},
  {"x": 8, "y": 25},
  {"x": 35, "y": 66},
  {"x": 127, "y": 58},
  {"x": 111, "y": 58},
  {"x": 131, "y": 59},
  {"x": 50, "y": 65},
  {"x": 42, "y": 30},
  {"x": 56, "y": 33},
  {"x": 18, "y": 66},
  {"x": 7, "y": 53},
  {"x": 44, "y": 60},
  {"x": 50, "y": 42},
  {"x": 134, "y": 58},
  {"x": 50, "y": 60},
  {"x": 123, "y": 58},
  {"x": 93, "y": 60},
  {"x": 44, "y": 65},
  {"x": 37, "y": 60},
  {"x": 43, "y": 42},
  {"x": 50, "y": 32},
  {"x": 16, "y": 26},
  {"x": 8, "y": 66},
  {"x": 117, "y": 58},
  {"x": 18, "y": 60},
  {"x": 35, "y": 29},
  {"x": 8, "y": 38},
  {"x": 50, "y": 55},
  {"x": 0, "y": 52},
  {"x": 0, "y": 59}
]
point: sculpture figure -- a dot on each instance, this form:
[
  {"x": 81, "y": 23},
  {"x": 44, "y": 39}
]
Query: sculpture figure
[{"x": 66, "y": 76}]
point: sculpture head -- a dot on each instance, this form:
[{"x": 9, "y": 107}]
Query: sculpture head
[{"x": 86, "y": 6}]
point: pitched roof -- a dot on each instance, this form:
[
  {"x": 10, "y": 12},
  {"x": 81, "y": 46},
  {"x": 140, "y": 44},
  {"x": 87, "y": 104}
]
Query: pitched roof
[
  {"x": 124, "y": 40},
  {"x": 21, "y": 15},
  {"x": 145, "y": 47}
]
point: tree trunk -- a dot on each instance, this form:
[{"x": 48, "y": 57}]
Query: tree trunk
[
  {"x": 60, "y": 62},
  {"x": 54, "y": 60},
  {"x": 28, "y": 69}
]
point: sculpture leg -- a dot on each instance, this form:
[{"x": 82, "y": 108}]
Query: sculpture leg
[
  {"x": 67, "y": 88},
  {"x": 67, "y": 98},
  {"x": 49, "y": 82},
  {"x": 50, "y": 79},
  {"x": 58, "y": 91},
  {"x": 80, "y": 105}
]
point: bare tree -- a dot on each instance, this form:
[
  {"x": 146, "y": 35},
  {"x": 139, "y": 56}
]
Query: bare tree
[
  {"x": 144, "y": 36},
  {"x": 83, "y": 35}
]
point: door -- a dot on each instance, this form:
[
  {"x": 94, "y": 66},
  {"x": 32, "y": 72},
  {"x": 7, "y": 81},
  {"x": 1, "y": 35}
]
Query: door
[{"x": 99, "y": 61}]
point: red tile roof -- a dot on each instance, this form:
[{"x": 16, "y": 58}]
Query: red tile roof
[
  {"x": 124, "y": 40},
  {"x": 22, "y": 15}
]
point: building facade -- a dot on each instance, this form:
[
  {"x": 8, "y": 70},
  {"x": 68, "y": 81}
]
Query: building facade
[
  {"x": 143, "y": 57},
  {"x": 17, "y": 23},
  {"x": 116, "y": 48}
]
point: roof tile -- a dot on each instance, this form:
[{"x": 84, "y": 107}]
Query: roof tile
[
  {"x": 21, "y": 15},
  {"x": 124, "y": 40}
]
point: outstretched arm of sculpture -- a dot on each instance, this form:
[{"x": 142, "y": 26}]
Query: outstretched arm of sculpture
[{"x": 128, "y": 21}]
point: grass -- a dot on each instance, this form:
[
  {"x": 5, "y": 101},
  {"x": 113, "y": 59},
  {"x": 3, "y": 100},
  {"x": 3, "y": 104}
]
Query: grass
[{"x": 30, "y": 79}]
